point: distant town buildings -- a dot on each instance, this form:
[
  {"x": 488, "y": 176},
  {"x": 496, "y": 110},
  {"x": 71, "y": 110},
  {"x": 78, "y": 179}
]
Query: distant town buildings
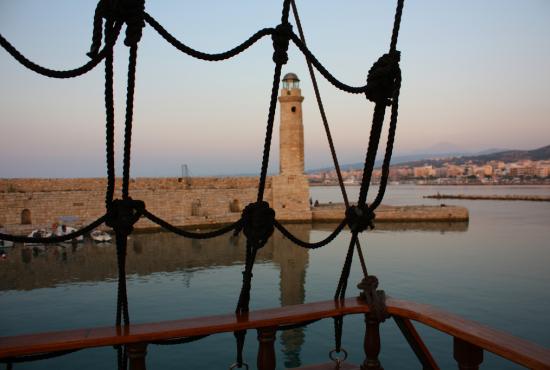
[{"x": 492, "y": 172}]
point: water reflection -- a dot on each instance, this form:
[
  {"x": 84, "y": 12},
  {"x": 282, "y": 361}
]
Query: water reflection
[
  {"x": 33, "y": 267},
  {"x": 28, "y": 268}
]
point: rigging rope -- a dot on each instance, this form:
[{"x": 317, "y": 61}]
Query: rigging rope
[
  {"x": 257, "y": 220},
  {"x": 206, "y": 56},
  {"x": 70, "y": 73},
  {"x": 109, "y": 120},
  {"x": 327, "y": 130}
]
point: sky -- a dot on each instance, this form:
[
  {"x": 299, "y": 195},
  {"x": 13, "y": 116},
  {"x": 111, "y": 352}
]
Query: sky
[{"x": 476, "y": 75}]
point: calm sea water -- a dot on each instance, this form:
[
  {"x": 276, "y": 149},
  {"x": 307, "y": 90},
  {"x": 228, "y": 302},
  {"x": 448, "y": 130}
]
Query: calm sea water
[{"x": 494, "y": 270}]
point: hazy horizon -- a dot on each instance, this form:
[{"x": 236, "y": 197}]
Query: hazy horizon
[{"x": 475, "y": 76}]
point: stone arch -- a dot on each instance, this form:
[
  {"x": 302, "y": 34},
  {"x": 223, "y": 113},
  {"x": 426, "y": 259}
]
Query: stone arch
[
  {"x": 235, "y": 206},
  {"x": 196, "y": 207},
  {"x": 26, "y": 217}
]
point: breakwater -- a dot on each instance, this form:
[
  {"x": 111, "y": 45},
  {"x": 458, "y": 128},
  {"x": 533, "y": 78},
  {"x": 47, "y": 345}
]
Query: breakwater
[
  {"x": 531, "y": 198},
  {"x": 27, "y": 204},
  {"x": 335, "y": 212}
]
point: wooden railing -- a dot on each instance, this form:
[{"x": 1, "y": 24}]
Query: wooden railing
[{"x": 470, "y": 338}]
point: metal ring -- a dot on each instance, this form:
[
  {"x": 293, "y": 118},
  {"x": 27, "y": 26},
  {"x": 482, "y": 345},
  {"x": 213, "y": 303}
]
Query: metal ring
[
  {"x": 236, "y": 366},
  {"x": 338, "y": 360}
]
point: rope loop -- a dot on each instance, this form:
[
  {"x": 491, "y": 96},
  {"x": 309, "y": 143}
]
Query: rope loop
[
  {"x": 258, "y": 223},
  {"x": 360, "y": 218},
  {"x": 281, "y": 37},
  {"x": 382, "y": 78},
  {"x": 122, "y": 214},
  {"x": 130, "y": 12}
]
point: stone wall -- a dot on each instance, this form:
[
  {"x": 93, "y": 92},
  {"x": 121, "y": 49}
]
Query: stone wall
[{"x": 184, "y": 202}]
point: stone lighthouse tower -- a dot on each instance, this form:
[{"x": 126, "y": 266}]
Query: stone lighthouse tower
[
  {"x": 290, "y": 188},
  {"x": 292, "y": 129}
]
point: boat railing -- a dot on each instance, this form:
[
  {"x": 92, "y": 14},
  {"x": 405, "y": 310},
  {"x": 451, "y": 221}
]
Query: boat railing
[{"x": 470, "y": 339}]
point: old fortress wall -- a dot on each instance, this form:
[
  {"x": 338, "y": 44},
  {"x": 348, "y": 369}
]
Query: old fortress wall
[
  {"x": 194, "y": 201},
  {"x": 28, "y": 203}
]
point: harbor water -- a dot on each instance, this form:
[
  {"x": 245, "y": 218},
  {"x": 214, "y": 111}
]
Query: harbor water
[{"x": 495, "y": 269}]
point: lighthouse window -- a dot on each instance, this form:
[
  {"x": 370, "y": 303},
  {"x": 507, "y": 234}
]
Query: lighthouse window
[{"x": 293, "y": 109}]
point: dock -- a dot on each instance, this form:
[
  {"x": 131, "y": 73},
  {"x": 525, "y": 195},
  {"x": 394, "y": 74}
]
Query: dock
[
  {"x": 334, "y": 212},
  {"x": 531, "y": 198}
]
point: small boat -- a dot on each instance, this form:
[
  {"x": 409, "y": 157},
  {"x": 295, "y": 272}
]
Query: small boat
[
  {"x": 38, "y": 233},
  {"x": 62, "y": 230},
  {"x": 5, "y": 243},
  {"x": 100, "y": 236}
]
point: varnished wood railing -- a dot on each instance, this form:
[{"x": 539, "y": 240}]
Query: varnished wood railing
[{"x": 470, "y": 338}]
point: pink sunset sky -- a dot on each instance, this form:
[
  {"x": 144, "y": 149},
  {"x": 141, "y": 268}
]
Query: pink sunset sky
[{"x": 475, "y": 74}]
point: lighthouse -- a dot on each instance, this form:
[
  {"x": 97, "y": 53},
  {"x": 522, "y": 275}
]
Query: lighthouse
[
  {"x": 290, "y": 187},
  {"x": 291, "y": 142}
]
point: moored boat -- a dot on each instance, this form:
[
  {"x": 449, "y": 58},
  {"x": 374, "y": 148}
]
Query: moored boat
[
  {"x": 99, "y": 236},
  {"x": 38, "y": 233},
  {"x": 5, "y": 243},
  {"x": 62, "y": 230}
]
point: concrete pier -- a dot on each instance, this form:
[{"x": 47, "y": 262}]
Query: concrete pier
[
  {"x": 335, "y": 212},
  {"x": 531, "y": 198}
]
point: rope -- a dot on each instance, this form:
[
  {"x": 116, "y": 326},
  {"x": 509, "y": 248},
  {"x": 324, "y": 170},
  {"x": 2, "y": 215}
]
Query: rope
[
  {"x": 122, "y": 314},
  {"x": 269, "y": 131},
  {"x": 327, "y": 129},
  {"x": 70, "y": 73},
  {"x": 109, "y": 122},
  {"x": 374, "y": 139},
  {"x": 190, "y": 234},
  {"x": 122, "y": 357},
  {"x": 338, "y": 326},
  {"x": 326, "y": 74},
  {"x": 307, "y": 245},
  {"x": 396, "y": 25},
  {"x": 205, "y": 56},
  {"x": 128, "y": 124},
  {"x": 383, "y": 84},
  {"x": 389, "y": 146},
  {"x": 258, "y": 218},
  {"x": 123, "y": 11}
]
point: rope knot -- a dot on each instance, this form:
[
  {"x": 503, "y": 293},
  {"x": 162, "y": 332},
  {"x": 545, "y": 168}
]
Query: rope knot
[
  {"x": 360, "y": 218},
  {"x": 382, "y": 78},
  {"x": 130, "y": 12},
  {"x": 258, "y": 221},
  {"x": 122, "y": 214},
  {"x": 281, "y": 38}
]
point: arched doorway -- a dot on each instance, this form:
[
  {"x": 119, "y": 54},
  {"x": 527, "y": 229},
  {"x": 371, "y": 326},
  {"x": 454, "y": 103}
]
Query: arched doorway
[{"x": 26, "y": 217}]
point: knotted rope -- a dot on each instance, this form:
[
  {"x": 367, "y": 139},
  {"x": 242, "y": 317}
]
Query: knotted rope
[
  {"x": 281, "y": 38},
  {"x": 382, "y": 78},
  {"x": 383, "y": 84},
  {"x": 130, "y": 12},
  {"x": 360, "y": 218},
  {"x": 257, "y": 223}
]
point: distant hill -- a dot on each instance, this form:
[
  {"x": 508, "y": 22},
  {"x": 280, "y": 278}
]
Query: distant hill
[
  {"x": 439, "y": 159},
  {"x": 504, "y": 156}
]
